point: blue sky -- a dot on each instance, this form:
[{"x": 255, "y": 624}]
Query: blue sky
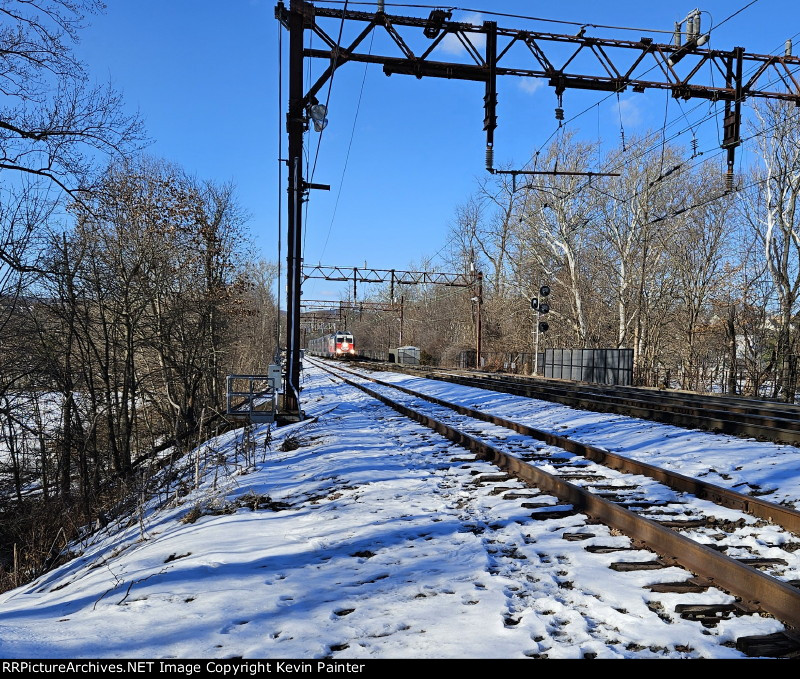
[{"x": 204, "y": 75}]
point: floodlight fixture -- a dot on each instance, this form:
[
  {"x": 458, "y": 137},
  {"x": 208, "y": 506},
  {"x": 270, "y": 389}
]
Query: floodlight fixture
[{"x": 317, "y": 113}]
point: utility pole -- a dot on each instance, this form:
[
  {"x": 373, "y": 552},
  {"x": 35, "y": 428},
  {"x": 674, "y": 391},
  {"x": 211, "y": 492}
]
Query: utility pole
[
  {"x": 402, "y": 311},
  {"x": 478, "y": 327},
  {"x": 295, "y": 127}
]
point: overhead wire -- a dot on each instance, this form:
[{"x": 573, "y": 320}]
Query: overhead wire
[
  {"x": 330, "y": 87},
  {"x": 565, "y": 22},
  {"x": 604, "y": 99},
  {"x": 310, "y": 174},
  {"x": 719, "y": 152},
  {"x": 644, "y": 152},
  {"x": 690, "y": 127},
  {"x": 488, "y": 12},
  {"x": 347, "y": 155}
]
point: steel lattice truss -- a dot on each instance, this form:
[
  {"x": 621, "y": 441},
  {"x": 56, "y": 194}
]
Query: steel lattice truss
[
  {"x": 320, "y": 320},
  {"x": 589, "y": 62},
  {"x": 391, "y": 276},
  {"x": 313, "y": 305}
]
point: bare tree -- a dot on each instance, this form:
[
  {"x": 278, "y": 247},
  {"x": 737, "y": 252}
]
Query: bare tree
[
  {"x": 772, "y": 209},
  {"x": 697, "y": 245},
  {"x": 554, "y": 225},
  {"x": 53, "y": 122},
  {"x": 629, "y": 230}
]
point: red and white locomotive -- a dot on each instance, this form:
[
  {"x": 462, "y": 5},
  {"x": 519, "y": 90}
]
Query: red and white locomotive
[{"x": 336, "y": 345}]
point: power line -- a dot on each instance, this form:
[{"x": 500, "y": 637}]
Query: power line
[
  {"x": 607, "y": 97},
  {"x": 322, "y": 131},
  {"x": 330, "y": 86},
  {"x": 738, "y": 11},
  {"x": 503, "y": 14},
  {"x": 652, "y": 147},
  {"x": 347, "y": 155}
]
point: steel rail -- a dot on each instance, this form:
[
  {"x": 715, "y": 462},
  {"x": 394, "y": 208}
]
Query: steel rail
[
  {"x": 780, "y": 429},
  {"x": 786, "y": 430},
  {"x": 712, "y": 401},
  {"x": 783, "y": 516},
  {"x": 755, "y": 589}
]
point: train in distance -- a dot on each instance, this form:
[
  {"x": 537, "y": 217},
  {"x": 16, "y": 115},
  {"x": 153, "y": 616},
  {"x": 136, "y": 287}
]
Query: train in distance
[{"x": 335, "y": 345}]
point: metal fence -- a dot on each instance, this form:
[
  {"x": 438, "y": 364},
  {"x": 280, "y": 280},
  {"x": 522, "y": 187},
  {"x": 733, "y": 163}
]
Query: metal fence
[
  {"x": 515, "y": 362},
  {"x": 601, "y": 366},
  {"x": 748, "y": 378}
]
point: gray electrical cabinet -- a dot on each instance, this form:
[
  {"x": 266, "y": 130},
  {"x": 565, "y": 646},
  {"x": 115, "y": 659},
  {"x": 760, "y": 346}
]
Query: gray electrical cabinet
[{"x": 407, "y": 355}]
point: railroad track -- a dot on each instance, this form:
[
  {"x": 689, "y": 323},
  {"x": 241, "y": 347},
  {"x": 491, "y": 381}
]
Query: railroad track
[
  {"x": 739, "y": 544},
  {"x": 766, "y": 420}
]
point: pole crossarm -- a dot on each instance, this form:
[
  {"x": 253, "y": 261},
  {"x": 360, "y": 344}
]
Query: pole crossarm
[
  {"x": 395, "y": 276},
  {"x": 591, "y": 63}
]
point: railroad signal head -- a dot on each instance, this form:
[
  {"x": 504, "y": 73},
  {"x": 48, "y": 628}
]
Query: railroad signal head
[
  {"x": 544, "y": 290},
  {"x": 534, "y": 303},
  {"x": 544, "y": 326},
  {"x": 544, "y": 307}
]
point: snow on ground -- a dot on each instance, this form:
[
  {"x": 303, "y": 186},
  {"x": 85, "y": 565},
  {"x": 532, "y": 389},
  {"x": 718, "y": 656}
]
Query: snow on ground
[
  {"x": 770, "y": 470},
  {"x": 367, "y": 541}
]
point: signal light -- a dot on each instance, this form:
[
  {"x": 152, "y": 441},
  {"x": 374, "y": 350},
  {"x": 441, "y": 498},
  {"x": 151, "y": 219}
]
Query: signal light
[{"x": 544, "y": 326}]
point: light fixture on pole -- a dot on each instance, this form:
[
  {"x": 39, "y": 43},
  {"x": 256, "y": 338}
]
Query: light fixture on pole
[{"x": 317, "y": 113}]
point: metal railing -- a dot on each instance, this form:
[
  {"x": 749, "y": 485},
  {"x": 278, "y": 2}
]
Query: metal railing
[{"x": 253, "y": 397}]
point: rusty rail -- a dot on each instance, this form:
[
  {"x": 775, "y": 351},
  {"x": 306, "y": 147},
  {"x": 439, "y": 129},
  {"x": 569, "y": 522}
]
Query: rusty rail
[
  {"x": 733, "y": 420},
  {"x": 783, "y": 516},
  {"x": 757, "y": 590}
]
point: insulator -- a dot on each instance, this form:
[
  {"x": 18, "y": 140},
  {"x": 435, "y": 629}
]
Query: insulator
[
  {"x": 697, "y": 25},
  {"x": 381, "y": 8},
  {"x": 694, "y": 146},
  {"x": 677, "y": 35},
  {"x": 559, "y": 113},
  {"x": 690, "y": 28},
  {"x": 489, "y": 157},
  {"x": 729, "y": 180},
  {"x": 787, "y": 50}
]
